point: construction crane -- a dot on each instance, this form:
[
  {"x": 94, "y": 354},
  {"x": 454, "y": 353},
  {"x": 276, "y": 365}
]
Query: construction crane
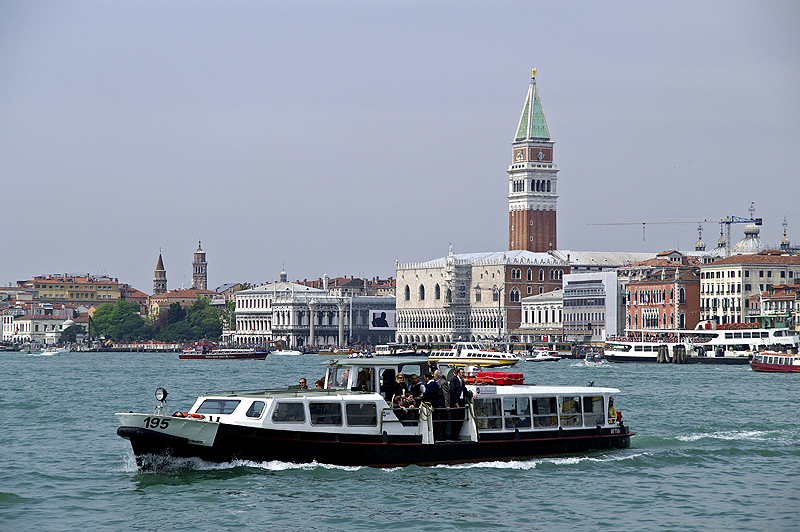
[{"x": 724, "y": 223}]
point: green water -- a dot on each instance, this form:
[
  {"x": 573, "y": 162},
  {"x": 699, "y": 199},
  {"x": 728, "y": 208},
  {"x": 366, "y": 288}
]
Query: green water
[{"x": 717, "y": 448}]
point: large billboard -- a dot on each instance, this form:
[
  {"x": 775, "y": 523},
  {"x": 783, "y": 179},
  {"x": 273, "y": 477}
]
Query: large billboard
[{"x": 382, "y": 319}]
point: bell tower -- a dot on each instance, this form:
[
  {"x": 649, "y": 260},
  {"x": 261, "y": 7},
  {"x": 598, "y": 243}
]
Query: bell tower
[
  {"x": 199, "y": 272},
  {"x": 532, "y": 180},
  {"x": 160, "y": 278}
]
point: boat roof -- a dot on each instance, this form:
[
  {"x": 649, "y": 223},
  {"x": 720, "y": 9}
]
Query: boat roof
[
  {"x": 483, "y": 389},
  {"x": 374, "y": 361}
]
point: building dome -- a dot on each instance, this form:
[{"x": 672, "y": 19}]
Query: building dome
[
  {"x": 67, "y": 323},
  {"x": 750, "y": 243},
  {"x": 700, "y": 245}
]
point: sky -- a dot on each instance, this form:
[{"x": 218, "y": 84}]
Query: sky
[{"x": 340, "y": 137}]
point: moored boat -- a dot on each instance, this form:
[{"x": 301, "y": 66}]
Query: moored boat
[
  {"x": 727, "y": 344},
  {"x": 472, "y": 354},
  {"x": 202, "y": 352},
  {"x": 352, "y": 422},
  {"x": 772, "y": 362}
]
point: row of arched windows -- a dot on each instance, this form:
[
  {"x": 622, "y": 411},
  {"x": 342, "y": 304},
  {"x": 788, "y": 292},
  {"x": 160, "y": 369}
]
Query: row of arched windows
[
  {"x": 537, "y": 185},
  {"x": 555, "y": 275}
]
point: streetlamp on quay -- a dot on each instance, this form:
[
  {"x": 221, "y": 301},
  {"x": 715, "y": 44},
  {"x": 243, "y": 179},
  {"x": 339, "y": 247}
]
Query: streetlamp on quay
[{"x": 498, "y": 293}]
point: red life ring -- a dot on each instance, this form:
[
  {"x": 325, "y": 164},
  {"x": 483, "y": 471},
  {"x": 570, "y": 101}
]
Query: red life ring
[{"x": 186, "y": 414}]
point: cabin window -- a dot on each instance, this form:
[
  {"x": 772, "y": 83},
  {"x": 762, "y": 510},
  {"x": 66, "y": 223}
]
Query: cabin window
[
  {"x": 218, "y": 406},
  {"x": 517, "y": 412},
  {"x": 256, "y": 409},
  {"x": 361, "y": 414},
  {"x": 593, "y": 411},
  {"x": 289, "y": 412},
  {"x": 325, "y": 413},
  {"x": 488, "y": 414},
  {"x": 338, "y": 377},
  {"x": 364, "y": 378},
  {"x": 570, "y": 409},
  {"x": 544, "y": 412}
]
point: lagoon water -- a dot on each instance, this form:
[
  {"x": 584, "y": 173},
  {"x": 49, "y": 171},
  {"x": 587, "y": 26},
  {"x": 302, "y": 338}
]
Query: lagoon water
[{"x": 716, "y": 448}]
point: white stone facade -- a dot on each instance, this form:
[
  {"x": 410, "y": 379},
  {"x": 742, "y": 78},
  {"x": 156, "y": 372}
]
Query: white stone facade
[
  {"x": 304, "y": 317},
  {"x": 593, "y": 306},
  {"x": 542, "y": 317},
  {"x": 470, "y": 297}
]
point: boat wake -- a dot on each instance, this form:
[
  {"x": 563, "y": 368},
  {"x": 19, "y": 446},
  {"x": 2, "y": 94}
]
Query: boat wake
[
  {"x": 170, "y": 464},
  {"x": 728, "y": 435},
  {"x": 525, "y": 465}
]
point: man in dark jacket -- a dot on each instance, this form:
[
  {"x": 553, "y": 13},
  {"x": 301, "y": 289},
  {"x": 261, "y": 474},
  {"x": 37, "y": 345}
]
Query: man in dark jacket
[{"x": 458, "y": 401}]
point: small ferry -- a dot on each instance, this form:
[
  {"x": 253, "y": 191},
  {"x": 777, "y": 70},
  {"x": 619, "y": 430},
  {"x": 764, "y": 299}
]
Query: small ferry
[
  {"x": 472, "y": 354},
  {"x": 204, "y": 352},
  {"x": 543, "y": 355},
  {"x": 772, "y": 362},
  {"x": 734, "y": 343},
  {"x": 351, "y": 421}
]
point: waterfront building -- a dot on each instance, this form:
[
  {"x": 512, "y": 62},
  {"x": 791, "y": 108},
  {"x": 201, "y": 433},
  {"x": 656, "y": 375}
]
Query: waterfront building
[
  {"x": 532, "y": 178},
  {"x": 779, "y": 306},
  {"x": 593, "y": 306},
  {"x": 727, "y": 284},
  {"x": 472, "y": 296},
  {"x": 302, "y": 316},
  {"x": 199, "y": 269},
  {"x": 88, "y": 289},
  {"x": 184, "y": 297},
  {"x": 542, "y": 318},
  {"x": 40, "y": 323},
  {"x": 665, "y": 295},
  {"x": 160, "y": 277}
]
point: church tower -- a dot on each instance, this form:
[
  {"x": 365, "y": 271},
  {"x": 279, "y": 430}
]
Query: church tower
[
  {"x": 199, "y": 272},
  {"x": 532, "y": 180},
  {"x": 160, "y": 279}
]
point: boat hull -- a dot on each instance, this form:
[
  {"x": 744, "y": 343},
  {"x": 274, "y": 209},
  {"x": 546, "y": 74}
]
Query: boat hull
[
  {"x": 774, "y": 368},
  {"x": 613, "y": 357},
  {"x": 224, "y": 356},
  {"x": 233, "y": 442}
]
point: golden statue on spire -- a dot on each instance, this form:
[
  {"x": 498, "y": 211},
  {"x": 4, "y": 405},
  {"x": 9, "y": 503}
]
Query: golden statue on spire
[{"x": 533, "y": 73}]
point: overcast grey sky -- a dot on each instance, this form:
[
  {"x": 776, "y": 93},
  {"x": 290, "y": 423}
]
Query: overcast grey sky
[{"x": 339, "y": 137}]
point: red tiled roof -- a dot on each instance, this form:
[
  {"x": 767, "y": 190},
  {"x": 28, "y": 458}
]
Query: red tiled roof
[{"x": 765, "y": 257}]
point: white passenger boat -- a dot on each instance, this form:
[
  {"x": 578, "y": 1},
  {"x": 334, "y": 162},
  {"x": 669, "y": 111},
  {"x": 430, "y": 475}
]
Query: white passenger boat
[
  {"x": 351, "y": 422},
  {"x": 472, "y": 354},
  {"x": 543, "y": 355},
  {"x": 727, "y": 344}
]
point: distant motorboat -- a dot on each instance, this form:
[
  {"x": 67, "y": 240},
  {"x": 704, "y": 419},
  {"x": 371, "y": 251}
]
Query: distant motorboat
[
  {"x": 287, "y": 352},
  {"x": 593, "y": 359},
  {"x": 543, "y": 355}
]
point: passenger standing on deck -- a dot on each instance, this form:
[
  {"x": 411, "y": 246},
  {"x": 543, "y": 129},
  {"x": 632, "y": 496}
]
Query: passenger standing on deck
[
  {"x": 431, "y": 393},
  {"x": 458, "y": 402},
  {"x": 416, "y": 388},
  {"x": 444, "y": 401}
]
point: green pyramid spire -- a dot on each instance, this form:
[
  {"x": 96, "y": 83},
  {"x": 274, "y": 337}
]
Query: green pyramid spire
[{"x": 532, "y": 124}]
